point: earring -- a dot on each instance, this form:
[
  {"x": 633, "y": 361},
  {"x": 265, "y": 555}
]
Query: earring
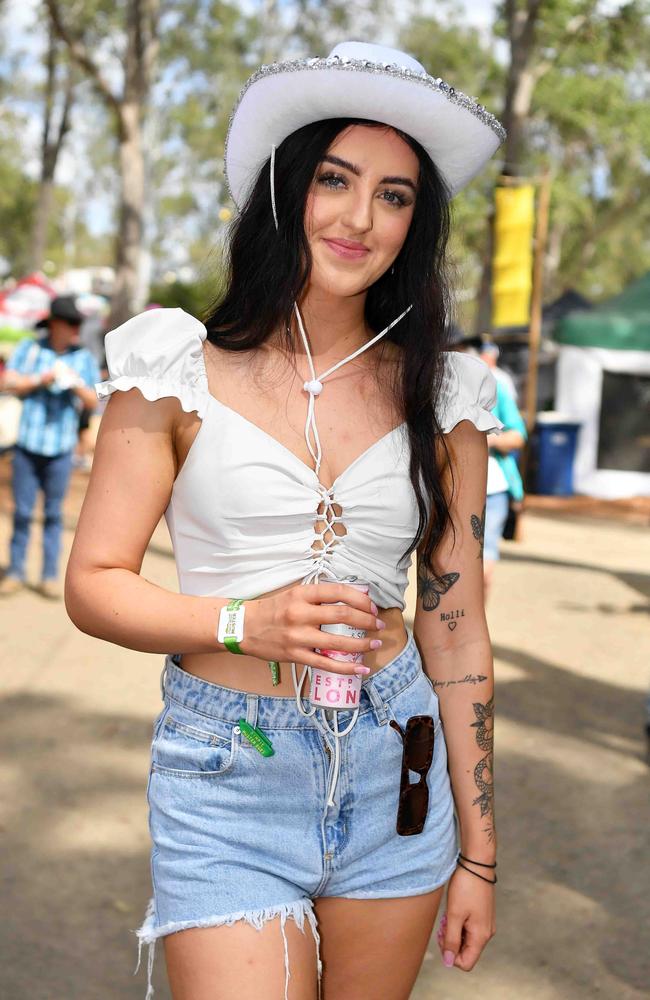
[{"x": 392, "y": 270}]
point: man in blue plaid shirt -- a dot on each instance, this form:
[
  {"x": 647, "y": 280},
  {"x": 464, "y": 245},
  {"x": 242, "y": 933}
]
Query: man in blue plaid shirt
[{"x": 55, "y": 377}]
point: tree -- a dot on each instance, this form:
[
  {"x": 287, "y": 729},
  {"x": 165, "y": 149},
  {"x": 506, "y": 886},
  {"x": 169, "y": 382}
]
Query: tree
[
  {"x": 138, "y": 63},
  {"x": 573, "y": 93},
  {"x": 52, "y": 141}
]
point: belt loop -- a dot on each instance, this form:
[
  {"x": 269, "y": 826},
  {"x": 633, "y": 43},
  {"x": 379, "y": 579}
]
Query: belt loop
[
  {"x": 163, "y": 675},
  {"x": 251, "y": 709},
  {"x": 379, "y": 707}
]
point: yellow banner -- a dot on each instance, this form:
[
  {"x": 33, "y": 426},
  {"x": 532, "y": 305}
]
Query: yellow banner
[{"x": 512, "y": 262}]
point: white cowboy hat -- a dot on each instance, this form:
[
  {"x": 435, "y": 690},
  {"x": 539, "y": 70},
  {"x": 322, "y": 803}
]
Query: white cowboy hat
[{"x": 358, "y": 80}]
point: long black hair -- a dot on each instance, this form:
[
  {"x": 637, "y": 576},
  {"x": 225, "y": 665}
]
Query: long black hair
[{"x": 269, "y": 271}]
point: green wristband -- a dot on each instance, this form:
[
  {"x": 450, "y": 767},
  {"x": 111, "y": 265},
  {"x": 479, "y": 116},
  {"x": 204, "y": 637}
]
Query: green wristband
[
  {"x": 232, "y": 645},
  {"x": 231, "y": 627}
]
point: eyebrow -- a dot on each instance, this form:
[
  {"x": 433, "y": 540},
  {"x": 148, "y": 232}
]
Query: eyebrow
[{"x": 337, "y": 161}]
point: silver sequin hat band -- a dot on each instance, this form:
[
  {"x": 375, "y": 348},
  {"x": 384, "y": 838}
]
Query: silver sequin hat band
[{"x": 358, "y": 80}]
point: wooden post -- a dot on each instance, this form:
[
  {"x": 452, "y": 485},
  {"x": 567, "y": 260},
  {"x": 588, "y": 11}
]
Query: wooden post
[{"x": 535, "y": 330}]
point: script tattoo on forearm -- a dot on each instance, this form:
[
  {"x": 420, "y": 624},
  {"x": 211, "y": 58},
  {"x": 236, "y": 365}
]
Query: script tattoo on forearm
[
  {"x": 467, "y": 679},
  {"x": 478, "y": 529},
  {"x": 483, "y": 772},
  {"x": 451, "y": 616},
  {"x": 431, "y": 588}
]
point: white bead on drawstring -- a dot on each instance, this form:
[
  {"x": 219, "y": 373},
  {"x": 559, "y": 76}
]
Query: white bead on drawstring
[{"x": 313, "y": 386}]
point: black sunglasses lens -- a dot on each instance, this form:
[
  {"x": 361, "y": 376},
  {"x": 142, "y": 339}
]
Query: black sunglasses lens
[
  {"x": 414, "y": 805},
  {"x": 418, "y": 744}
]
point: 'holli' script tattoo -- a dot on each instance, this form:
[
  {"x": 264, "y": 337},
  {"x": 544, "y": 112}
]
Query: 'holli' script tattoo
[
  {"x": 431, "y": 588},
  {"x": 478, "y": 530},
  {"x": 483, "y": 772},
  {"x": 467, "y": 679},
  {"x": 451, "y": 616}
]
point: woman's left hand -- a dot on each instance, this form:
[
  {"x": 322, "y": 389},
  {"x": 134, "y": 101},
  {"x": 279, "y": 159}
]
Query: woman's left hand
[{"x": 469, "y": 921}]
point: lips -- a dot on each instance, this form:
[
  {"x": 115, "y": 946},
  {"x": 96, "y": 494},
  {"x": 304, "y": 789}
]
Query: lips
[{"x": 347, "y": 249}]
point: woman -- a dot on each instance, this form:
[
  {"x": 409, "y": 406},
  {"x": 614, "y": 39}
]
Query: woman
[{"x": 266, "y": 814}]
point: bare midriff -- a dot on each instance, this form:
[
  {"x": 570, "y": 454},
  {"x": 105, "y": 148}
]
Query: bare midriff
[{"x": 248, "y": 673}]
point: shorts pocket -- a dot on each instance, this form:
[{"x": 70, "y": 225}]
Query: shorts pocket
[
  {"x": 418, "y": 698},
  {"x": 183, "y": 750}
]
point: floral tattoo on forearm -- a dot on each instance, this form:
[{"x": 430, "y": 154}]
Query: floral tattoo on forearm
[
  {"x": 483, "y": 772},
  {"x": 431, "y": 588},
  {"x": 478, "y": 529}
]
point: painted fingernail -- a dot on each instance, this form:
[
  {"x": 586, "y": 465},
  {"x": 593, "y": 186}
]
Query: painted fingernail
[
  {"x": 362, "y": 671},
  {"x": 448, "y": 958},
  {"x": 375, "y": 643},
  {"x": 380, "y": 624},
  {"x": 374, "y": 608}
]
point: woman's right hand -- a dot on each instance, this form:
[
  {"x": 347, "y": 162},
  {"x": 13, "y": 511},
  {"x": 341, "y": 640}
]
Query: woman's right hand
[{"x": 286, "y": 626}]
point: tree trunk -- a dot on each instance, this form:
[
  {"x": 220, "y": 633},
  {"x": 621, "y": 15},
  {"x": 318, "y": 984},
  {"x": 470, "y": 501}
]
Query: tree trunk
[
  {"x": 50, "y": 150},
  {"x": 124, "y": 302},
  {"x": 521, "y": 22},
  {"x": 141, "y": 54},
  {"x": 129, "y": 109},
  {"x": 39, "y": 229}
]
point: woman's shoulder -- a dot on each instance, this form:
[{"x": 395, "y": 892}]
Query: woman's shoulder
[
  {"x": 468, "y": 392},
  {"x": 160, "y": 334},
  {"x": 159, "y": 352}
]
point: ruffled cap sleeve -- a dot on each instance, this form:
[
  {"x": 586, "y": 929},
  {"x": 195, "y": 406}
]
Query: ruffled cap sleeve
[
  {"x": 159, "y": 352},
  {"x": 468, "y": 392}
]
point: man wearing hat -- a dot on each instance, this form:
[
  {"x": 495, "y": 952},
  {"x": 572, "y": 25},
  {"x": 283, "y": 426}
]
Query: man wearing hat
[{"x": 54, "y": 376}]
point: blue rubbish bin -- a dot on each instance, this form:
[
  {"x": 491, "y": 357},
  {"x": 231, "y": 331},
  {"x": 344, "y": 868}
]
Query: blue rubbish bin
[{"x": 556, "y": 437}]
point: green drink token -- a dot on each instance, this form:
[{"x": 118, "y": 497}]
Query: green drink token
[{"x": 257, "y": 738}]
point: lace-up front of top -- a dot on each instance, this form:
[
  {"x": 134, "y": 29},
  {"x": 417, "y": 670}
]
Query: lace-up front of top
[{"x": 246, "y": 515}]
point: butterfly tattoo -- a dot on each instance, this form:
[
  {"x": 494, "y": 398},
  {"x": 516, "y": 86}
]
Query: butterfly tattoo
[
  {"x": 432, "y": 588},
  {"x": 478, "y": 529}
]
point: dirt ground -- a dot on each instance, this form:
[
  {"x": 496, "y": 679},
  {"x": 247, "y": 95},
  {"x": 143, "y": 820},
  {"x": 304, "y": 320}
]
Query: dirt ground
[{"x": 569, "y": 623}]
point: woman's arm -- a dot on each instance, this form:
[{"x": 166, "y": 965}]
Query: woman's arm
[
  {"x": 131, "y": 482},
  {"x": 451, "y": 633}
]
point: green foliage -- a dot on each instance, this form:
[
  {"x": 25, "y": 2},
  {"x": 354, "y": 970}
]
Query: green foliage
[{"x": 194, "y": 297}]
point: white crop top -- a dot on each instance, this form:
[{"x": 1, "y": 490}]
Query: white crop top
[{"x": 243, "y": 510}]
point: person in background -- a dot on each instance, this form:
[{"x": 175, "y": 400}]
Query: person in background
[
  {"x": 504, "y": 483},
  {"x": 489, "y": 352},
  {"x": 55, "y": 377}
]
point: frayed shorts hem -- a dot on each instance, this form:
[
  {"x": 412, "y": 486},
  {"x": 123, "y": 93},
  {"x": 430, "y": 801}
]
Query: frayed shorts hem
[{"x": 148, "y": 934}]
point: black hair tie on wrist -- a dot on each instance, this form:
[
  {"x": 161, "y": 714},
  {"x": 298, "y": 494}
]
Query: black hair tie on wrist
[
  {"x": 490, "y": 881},
  {"x": 481, "y": 864}
]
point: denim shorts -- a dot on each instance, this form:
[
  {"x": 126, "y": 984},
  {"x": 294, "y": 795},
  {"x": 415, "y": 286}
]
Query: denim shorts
[
  {"x": 239, "y": 836},
  {"x": 496, "y": 515}
]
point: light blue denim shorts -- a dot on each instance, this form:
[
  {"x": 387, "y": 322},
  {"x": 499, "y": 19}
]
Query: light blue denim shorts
[
  {"x": 239, "y": 836},
  {"x": 496, "y": 515}
]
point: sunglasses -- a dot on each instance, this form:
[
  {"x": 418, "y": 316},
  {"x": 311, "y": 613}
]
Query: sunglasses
[{"x": 417, "y": 755}]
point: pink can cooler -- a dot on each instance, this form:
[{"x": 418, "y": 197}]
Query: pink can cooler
[{"x": 339, "y": 691}]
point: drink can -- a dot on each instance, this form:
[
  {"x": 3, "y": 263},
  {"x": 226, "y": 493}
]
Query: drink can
[{"x": 339, "y": 691}]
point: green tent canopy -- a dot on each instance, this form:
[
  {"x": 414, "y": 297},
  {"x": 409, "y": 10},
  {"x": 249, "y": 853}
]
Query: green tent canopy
[{"x": 619, "y": 324}]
